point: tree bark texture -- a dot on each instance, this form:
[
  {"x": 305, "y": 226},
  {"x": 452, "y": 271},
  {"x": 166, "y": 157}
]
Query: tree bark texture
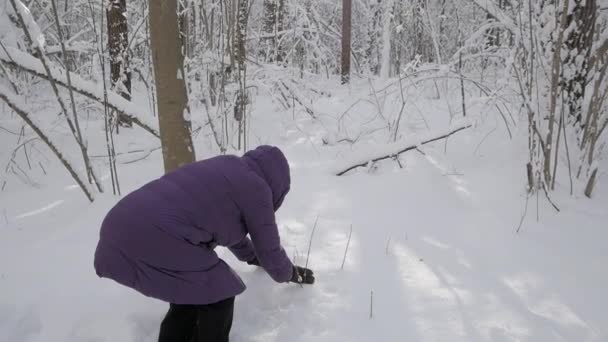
[{"x": 175, "y": 135}]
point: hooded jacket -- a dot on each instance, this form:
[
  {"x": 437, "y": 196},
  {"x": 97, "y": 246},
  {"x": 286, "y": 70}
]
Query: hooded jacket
[{"x": 160, "y": 239}]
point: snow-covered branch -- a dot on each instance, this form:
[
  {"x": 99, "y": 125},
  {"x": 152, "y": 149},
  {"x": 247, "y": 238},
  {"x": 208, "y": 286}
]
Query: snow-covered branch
[
  {"x": 92, "y": 90},
  {"x": 30, "y": 24}
]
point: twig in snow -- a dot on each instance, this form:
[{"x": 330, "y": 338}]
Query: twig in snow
[
  {"x": 523, "y": 216},
  {"x": 398, "y": 162},
  {"x": 377, "y": 101},
  {"x": 537, "y": 208},
  {"x": 42, "y": 167},
  {"x": 312, "y": 234},
  {"x": 388, "y": 243},
  {"x": 371, "y": 304},
  {"x": 549, "y": 198},
  {"x": 568, "y": 158},
  {"x": 8, "y": 131},
  {"x": 463, "y": 99},
  {"x": 484, "y": 139},
  {"x": 347, "y": 244},
  {"x": 27, "y": 158},
  {"x": 398, "y": 121},
  {"x": 149, "y": 152}
]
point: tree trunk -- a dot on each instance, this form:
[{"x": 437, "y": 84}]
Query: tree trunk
[
  {"x": 581, "y": 24},
  {"x": 556, "y": 70},
  {"x": 274, "y": 16},
  {"x": 346, "y": 39},
  {"x": 420, "y": 45},
  {"x": 168, "y": 60},
  {"x": 372, "y": 52},
  {"x": 385, "y": 65},
  {"x": 240, "y": 57},
  {"x": 241, "y": 32},
  {"x": 118, "y": 41}
]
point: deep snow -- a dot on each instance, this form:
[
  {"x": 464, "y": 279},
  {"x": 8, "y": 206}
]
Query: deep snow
[{"x": 435, "y": 240}]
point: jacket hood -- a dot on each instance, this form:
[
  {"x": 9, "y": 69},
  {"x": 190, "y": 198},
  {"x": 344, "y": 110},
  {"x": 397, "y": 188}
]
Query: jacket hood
[{"x": 272, "y": 166}]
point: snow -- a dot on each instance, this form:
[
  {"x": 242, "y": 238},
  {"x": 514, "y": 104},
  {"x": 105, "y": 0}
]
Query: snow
[{"x": 434, "y": 241}]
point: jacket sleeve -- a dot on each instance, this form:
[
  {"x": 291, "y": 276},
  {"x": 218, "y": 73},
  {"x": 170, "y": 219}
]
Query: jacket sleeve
[
  {"x": 258, "y": 214},
  {"x": 243, "y": 250}
]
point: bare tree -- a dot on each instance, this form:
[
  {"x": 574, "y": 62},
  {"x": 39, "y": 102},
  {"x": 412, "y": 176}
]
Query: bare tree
[{"x": 168, "y": 62}]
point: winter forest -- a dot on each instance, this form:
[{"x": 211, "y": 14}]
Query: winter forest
[{"x": 448, "y": 160}]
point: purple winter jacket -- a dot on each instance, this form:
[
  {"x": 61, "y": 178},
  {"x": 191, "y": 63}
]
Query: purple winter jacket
[{"x": 159, "y": 239}]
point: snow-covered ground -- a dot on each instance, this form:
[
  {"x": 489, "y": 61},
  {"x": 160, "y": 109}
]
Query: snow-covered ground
[{"x": 434, "y": 255}]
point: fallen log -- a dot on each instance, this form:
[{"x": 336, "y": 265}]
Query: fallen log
[{"x": 395, "y": 149}]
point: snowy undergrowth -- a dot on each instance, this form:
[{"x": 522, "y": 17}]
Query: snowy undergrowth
[{"x": 433, "y": 239}]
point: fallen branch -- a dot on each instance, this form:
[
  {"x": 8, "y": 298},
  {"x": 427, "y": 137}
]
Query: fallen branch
[
  {"x": 400, "y": 147},
  {"x": 26, "y": 62}
]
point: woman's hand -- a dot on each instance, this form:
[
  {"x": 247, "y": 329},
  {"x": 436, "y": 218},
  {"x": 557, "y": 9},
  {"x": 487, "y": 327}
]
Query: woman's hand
[
  {"x": 302, "y": 275},
  {"x": 254, "y": 262}
]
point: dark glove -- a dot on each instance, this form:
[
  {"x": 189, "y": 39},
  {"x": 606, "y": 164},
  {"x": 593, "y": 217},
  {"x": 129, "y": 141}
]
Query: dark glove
[
  {"x": 254, "y": 262},
  {"x": 302, "y": 275}
]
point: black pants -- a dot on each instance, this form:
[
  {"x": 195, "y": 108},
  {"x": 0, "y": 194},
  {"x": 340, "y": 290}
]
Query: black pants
[{"x": 198, "y": 323}]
